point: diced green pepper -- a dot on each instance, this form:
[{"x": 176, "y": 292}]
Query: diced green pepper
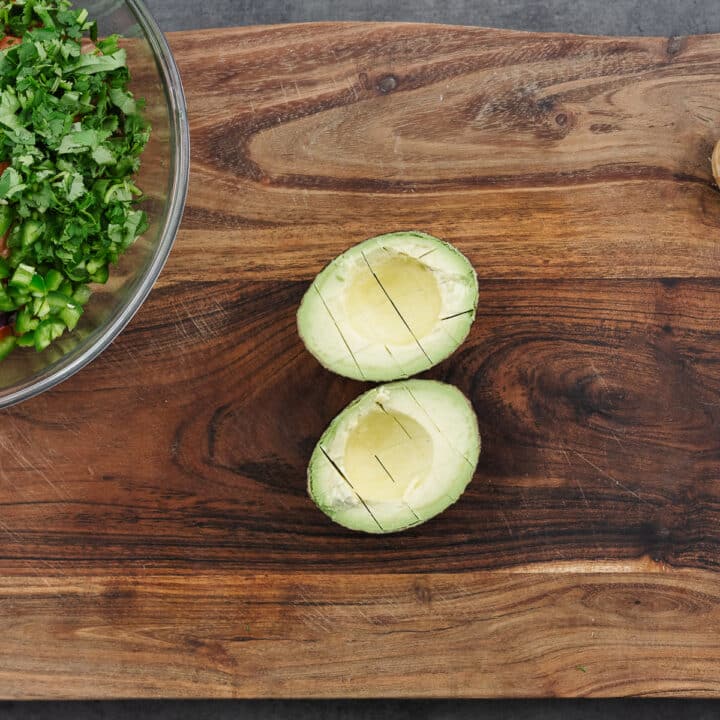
[
  {"x": 5, "y": 271},
  {"x": 25, "y": 322},
  {"x": 70, "y": 315},
  {"x": 40, "y": 307},
  {"x": 53, "y": 279},
  {"x": 66, "y": 288},
  {"x": 6, "y": 346},
  {"x": 78, "y": 273},
  {"x": 92, "y": 266},
  {"x": 57, "y": 300},
  {"x": 47, "y": 331},
  {"x": 23, "y": 276},
  {"x": 82, "y": 294},
  {"x": 7, "y": 304},
  {"x": 37, "y": 286},
  {"x": 101, "y": 275},
  {"x": 27, "y": 340},
  {"x": 19, "y": 296}
]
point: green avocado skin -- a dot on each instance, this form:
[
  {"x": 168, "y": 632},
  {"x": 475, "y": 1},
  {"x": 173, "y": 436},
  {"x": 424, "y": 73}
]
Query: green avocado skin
[
  {"x": 326, "y": 337},
  {"x": 441, "y": 401}
]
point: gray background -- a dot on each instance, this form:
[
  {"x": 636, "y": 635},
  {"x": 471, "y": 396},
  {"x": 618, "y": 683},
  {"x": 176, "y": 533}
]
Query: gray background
[
  {"x": 597, "y": 17},
  {"x": 606, "y": 17}
]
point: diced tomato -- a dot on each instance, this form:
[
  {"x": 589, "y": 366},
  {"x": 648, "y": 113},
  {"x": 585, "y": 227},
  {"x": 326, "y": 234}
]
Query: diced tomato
[
  {"x": 8, "y": 41},
  {"x": 5, "y": 331}
]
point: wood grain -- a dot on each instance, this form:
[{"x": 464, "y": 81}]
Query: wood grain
[
  {"x": 155, "y": 534},
  {"x": 298, "y": 634}
]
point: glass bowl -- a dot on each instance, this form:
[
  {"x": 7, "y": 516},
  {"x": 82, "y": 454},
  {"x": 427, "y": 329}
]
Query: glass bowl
[{"x": 163, "y": 178}]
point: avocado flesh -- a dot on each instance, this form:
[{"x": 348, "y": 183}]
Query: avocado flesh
[
  {"x": 395, "y": 457},
  {"x": 390, "y": 307}
]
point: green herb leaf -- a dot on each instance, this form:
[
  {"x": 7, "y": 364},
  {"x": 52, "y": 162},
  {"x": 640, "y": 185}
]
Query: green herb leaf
[
  {"x": 71, "y": 135},
  {"x": 10, "y": 183},
  {"x": 90, "y": 63},
  {"x": 123, "y": 100}
]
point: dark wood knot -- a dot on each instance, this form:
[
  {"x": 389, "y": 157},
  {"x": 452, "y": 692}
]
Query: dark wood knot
[{"x": 387, "y": 84}]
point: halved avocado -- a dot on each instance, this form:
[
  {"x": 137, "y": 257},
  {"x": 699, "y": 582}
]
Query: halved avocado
[
  {"x": 395, "y": 457},
  {"x": 389, "y": 308}
]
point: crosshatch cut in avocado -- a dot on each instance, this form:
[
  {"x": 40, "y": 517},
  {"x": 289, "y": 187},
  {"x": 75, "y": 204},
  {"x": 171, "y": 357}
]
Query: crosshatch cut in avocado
[
  {"x": 395, "y": 457},
  {"x": 389, "y": 308}
]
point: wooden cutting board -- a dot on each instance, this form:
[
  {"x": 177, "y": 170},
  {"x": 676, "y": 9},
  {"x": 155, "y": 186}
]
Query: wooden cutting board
[{"x": 155, "y": 534}]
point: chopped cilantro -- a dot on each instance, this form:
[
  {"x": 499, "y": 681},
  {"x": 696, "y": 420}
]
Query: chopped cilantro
[{"x": 71, "y": 136}]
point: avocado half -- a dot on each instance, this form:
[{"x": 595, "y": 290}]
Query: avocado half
[
  {"x": 395, "y": 457},
  {"x": 389, "y": 308}
]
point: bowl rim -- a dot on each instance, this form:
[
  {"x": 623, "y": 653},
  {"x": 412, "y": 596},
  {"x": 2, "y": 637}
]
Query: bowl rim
[{"x": 81, "y": 356}]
